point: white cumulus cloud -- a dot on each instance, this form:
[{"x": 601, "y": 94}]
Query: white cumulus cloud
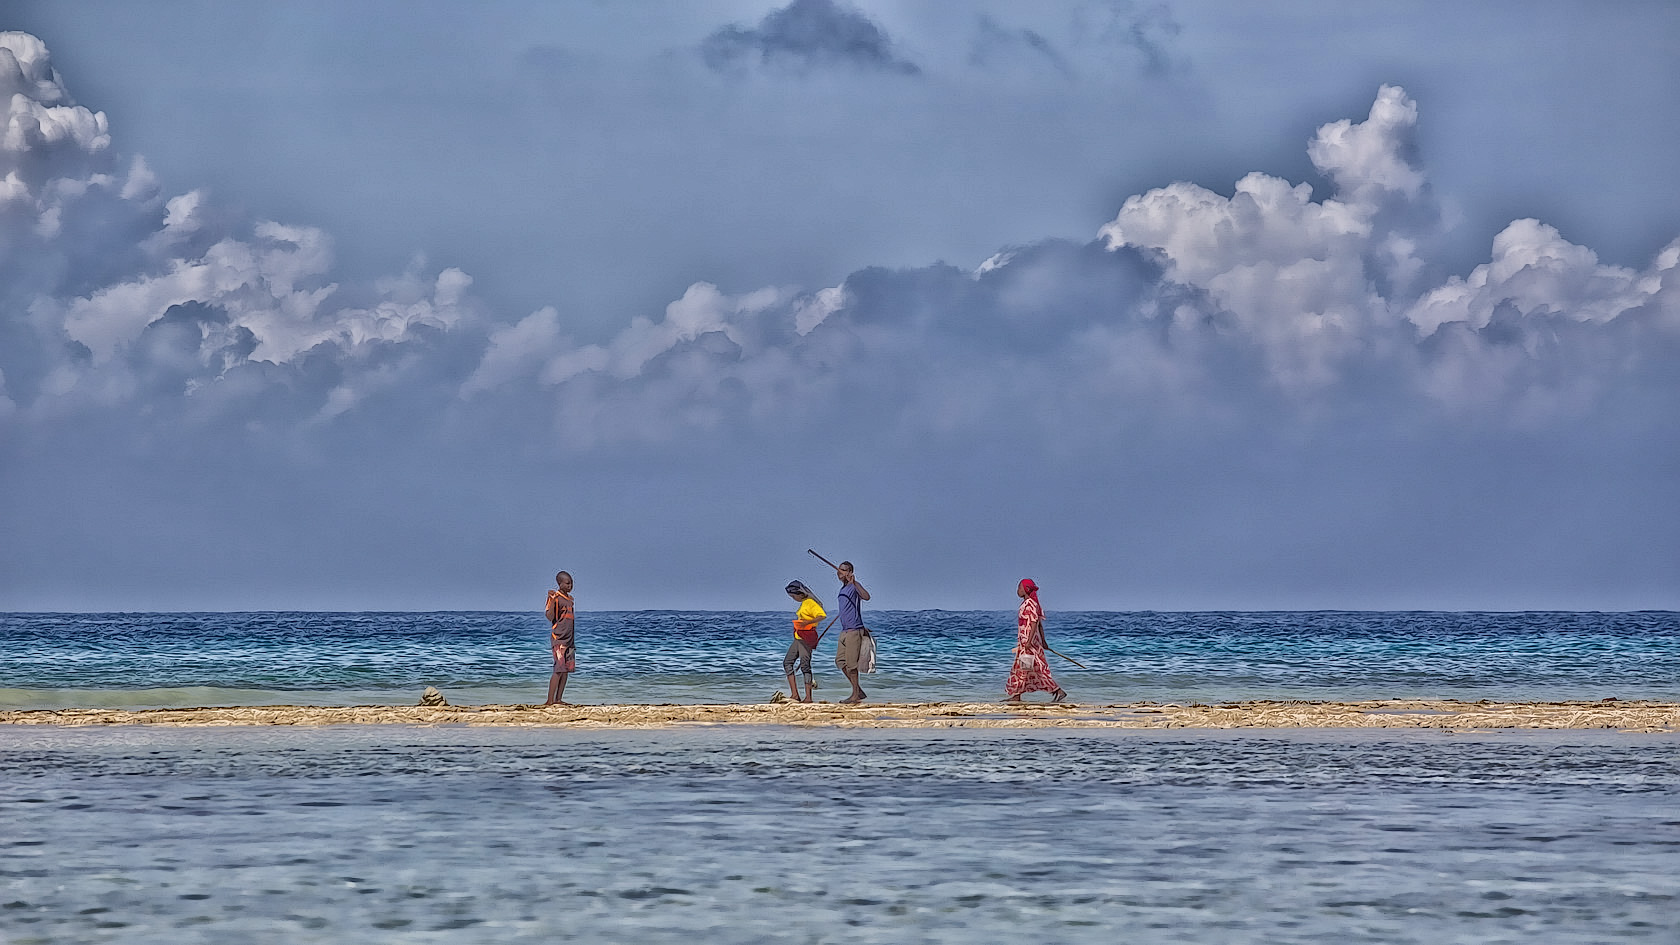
[
  {"x": 101, "y": 276},
  {"x": 1266, "y": 297}
]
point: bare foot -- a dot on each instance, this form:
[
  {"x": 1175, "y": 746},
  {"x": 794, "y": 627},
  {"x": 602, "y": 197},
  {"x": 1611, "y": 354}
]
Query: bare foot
[
  {"x": 1060, "y": 696},
  {"x": 557, "y": 702},
  {"x": 853, "y": 699},
  {"x": 1013, "y": 699}
]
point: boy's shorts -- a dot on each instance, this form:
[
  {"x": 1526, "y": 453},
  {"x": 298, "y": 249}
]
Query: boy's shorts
[{"x": 846, "y": 656}]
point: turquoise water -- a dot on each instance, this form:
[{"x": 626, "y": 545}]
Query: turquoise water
[
  {"x": 402, "y": 834},
  {"x": 477, "y": 658}
]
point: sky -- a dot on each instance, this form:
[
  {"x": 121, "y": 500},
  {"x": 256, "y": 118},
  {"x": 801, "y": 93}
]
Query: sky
[{"x": 1170, "y": 306}]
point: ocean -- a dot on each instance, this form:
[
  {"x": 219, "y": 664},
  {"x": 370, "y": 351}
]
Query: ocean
[
  {"x": 159, "y": 660},
  {"x": 725, "y": 834}
]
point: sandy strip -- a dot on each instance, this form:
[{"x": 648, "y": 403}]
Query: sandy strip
[{"x": 1391, "y": 714}]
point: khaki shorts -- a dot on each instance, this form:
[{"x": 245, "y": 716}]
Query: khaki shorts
[{"x": 850, "y": 648}]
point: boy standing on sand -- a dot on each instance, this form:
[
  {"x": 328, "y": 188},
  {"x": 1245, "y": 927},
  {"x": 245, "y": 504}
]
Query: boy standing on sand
[
  {"x": 561, "y": 636},
  {"x": 849, "y": 655}
]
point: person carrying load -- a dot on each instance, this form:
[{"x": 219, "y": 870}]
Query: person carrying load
[{"x": 805, "y": 637}]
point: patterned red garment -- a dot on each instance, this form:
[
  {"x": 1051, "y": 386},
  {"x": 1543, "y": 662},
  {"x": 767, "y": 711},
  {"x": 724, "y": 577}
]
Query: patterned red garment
[{"x": 1031, "y": 672}]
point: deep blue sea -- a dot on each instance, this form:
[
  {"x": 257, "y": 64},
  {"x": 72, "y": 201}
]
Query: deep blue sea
[
  {"x": 346, "y": 834},
  {"x": 144, "y": 660}
]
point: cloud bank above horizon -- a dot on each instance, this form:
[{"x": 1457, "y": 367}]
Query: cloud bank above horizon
[{"x": 1274, "y": 328}]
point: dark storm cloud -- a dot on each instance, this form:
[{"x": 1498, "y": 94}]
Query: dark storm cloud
[
  {"x": 1146, "y": 31},
  {"x": 997, "y": 47},
  {"x": 807, "y": 34},
  {"x": 1098, "y": 37}
]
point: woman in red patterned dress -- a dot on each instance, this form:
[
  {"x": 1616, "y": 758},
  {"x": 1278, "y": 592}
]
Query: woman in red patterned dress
[{"x": 1031, "y": 672}]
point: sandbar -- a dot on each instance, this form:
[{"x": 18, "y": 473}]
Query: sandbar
[{"x": 1452, "y": 715}]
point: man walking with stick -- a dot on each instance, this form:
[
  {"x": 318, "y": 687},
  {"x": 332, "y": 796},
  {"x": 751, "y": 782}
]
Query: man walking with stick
[{"x": 854, "y": 636}]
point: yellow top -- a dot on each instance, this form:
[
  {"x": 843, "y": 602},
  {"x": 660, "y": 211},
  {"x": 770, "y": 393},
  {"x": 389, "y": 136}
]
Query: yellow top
[{"x": 809, "y": 616}]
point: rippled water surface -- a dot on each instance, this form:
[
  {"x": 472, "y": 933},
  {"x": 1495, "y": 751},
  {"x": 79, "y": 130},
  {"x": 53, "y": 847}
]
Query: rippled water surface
[
  {"x": 721, "y": 835},
  {"x": 213, "y": 659}
]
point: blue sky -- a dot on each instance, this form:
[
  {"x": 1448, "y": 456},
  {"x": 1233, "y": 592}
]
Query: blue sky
[{"x": 1169, "y": 306}]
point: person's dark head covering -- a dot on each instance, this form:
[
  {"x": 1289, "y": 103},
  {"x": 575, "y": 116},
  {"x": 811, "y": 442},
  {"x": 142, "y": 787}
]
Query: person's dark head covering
[
  {"x": 1030, "y": 587},
  {"x": 800, "y": 588}
]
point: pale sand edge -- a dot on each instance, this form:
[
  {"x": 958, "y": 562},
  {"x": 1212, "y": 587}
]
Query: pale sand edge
[{"x": 1387, "y": 714}]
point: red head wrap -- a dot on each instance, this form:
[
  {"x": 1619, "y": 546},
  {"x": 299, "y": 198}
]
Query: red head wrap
[{"x": 1031, "y": 588}]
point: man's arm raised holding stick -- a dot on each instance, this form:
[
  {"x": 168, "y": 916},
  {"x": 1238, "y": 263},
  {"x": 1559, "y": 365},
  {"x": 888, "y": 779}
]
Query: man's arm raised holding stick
[{"x": 848, "y": 654}]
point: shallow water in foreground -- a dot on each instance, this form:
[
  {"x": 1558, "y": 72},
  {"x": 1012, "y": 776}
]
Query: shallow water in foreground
[{"x": 722, "y": 835}]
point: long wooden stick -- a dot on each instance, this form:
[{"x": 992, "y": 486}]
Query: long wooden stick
[
  {"x": 1065, "y": 657},
  {"x": 831, "y": 620},
  {"x": 824, "y": 632}
]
